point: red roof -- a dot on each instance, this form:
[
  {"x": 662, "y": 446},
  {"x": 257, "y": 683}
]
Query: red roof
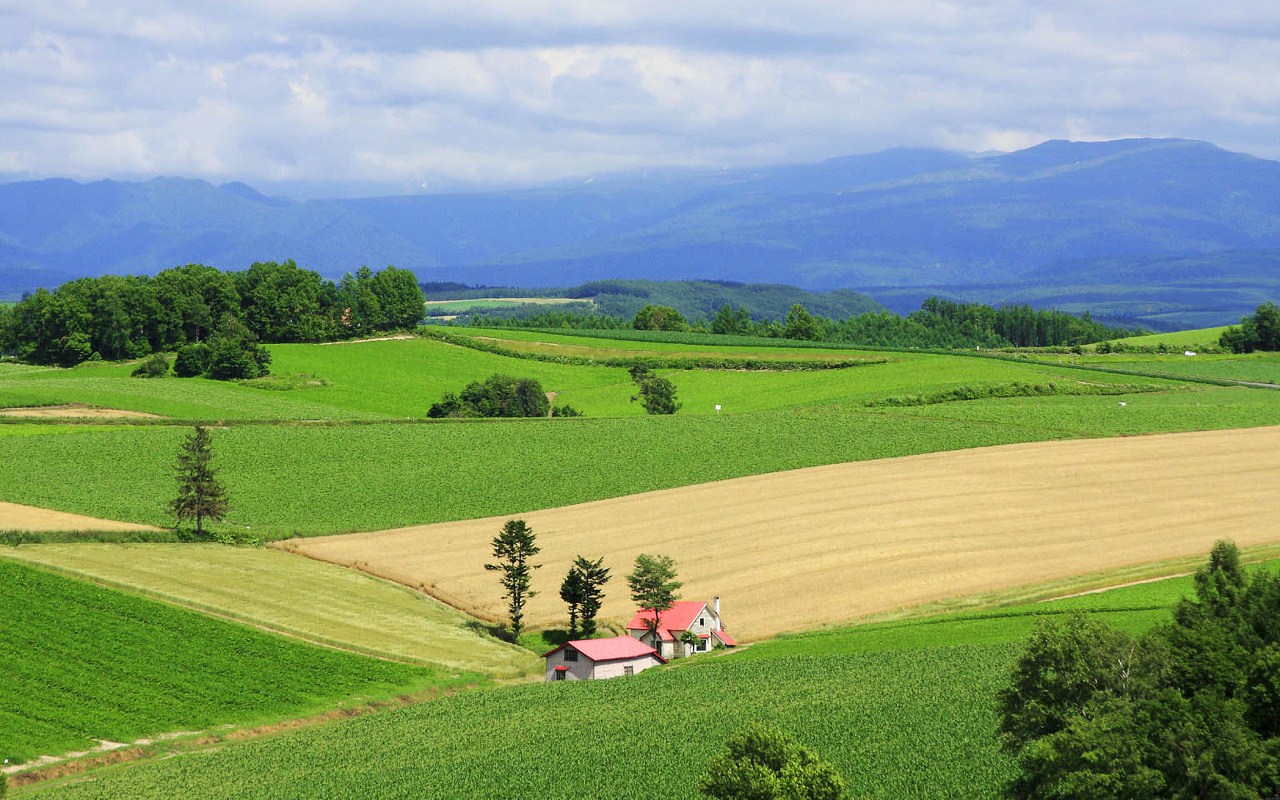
[
  {"x": 726, "y": 638},
  {"x": 680, "y": 617},
  {"x": 562, "y": 668},
  {"x": 613, "y": 649}
]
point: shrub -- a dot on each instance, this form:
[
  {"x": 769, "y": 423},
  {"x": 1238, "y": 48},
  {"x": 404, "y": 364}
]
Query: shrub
[
  {"x": 192, "y": 360},
  {"x": 156, "y": 366}
]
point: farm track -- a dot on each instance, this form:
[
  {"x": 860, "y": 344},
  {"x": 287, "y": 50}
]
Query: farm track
[{"x": 795, "y": 550}]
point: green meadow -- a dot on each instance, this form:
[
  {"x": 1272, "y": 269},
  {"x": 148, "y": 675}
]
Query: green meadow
[
  {"x": 351, "y": 450},
  {"x": 903, "y": 709}
]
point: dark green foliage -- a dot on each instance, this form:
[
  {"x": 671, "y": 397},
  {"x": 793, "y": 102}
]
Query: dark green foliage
[
  {"x": 154, "y": 366},
  {"x": 496, "y": 396},
  {"x": 1258, "y": 331},
  {"x": 81, "y": 662},
  {"x": 512, "y": 550},
  {"x": 565, "y": 410},
  {"x": 653, "y": 586},
  {"x": 763, "y": 764},
  {"x": 1187, "y": 711},
  {"x": 583, "y": 591},
  {"x": 659, "y": 318},
  {"x": 234, "y": 353},
  {"x": 192, "y": 360},
  {"x": 800, "y": 324},
  {"x": 129, "y": 317},
  {"x": 657, "y": 394},
  {"x": 730, "y": 322},
  {"x": 200, "y": 495}
]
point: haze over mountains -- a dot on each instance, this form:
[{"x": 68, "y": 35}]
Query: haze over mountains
[{"x": 1165, "y": 232}]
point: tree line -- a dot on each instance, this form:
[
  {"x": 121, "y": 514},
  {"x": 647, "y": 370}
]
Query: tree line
[
  {"x": 121, "y": 317},
  {"x": 938, "y": 324}
]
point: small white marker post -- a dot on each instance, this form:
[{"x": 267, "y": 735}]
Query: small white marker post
[{"x": 717, "y": 408}]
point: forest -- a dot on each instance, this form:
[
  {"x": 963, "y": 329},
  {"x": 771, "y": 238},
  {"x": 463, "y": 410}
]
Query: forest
[{"x": 117, "y": 317}]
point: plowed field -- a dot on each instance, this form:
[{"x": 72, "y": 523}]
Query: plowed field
[{"x": 794, "y": 550}]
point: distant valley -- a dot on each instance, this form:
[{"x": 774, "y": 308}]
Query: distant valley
[{"x": 1162, "y": 233}]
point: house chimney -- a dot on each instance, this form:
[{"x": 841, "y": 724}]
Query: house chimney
[{"x": 715, "y": 606}]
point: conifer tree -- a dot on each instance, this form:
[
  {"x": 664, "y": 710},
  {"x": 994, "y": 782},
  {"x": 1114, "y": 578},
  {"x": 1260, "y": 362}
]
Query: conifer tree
[{"x": 200, "y": 496}]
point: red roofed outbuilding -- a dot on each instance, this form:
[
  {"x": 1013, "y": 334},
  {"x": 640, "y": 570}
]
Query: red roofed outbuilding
[{"x": 592, "y": 659}]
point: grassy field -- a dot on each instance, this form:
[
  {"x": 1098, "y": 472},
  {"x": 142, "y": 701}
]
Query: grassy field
[
  {"x": 1200, "y": 337},
  {"x": 296, "y": 596},
  {"x": 85, "y": 663},
  {"x": 1255, "y": 367},
  {"x": 904, "y": 710},
  {"x": 311, "y": 479}
]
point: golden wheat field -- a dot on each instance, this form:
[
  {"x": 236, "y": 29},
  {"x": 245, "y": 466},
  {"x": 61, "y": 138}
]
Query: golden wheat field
[
  {"x": 14, "y": 517},
  {"x": 794, "y": 550}
]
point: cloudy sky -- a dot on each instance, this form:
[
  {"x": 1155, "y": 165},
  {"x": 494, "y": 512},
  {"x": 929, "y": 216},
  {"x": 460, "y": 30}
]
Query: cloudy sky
[{"x": 396, "y": 96}]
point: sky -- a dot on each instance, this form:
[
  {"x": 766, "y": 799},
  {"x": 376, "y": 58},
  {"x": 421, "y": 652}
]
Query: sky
[{"x": 344, "y": 97}]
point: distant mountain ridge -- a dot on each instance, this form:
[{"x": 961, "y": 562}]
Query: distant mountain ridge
[{"x": 1141, "y": 214}]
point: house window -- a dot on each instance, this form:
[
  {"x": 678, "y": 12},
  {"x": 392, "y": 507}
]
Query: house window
[
  {"x": 570, "y": 654},
  {"x": 702, "y": 646},
  {"x": 628, "y": 670},
  {"x": 561, "y": 675},
  {"x": 702, "y": 622}
]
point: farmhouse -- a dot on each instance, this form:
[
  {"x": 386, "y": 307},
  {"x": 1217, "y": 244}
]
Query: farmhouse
[
  {"x": 688, "y": 627},
  {"x": 591, "y": 659}
]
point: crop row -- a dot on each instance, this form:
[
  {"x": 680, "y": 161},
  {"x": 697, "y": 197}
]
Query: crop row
[
  {"x": 83, "y": 663},
  {"x": 907, "y": 724}
]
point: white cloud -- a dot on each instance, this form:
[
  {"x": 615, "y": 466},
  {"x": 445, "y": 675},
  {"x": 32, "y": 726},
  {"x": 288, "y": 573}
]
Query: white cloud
[{"x": 402, "y": 93}]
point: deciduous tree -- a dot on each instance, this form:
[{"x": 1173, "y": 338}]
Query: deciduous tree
[
  {"x": 763, "y": 764},
  {"x": 200, "y": 495},
  {"x": 512, "y": 550},
  {"x": 653, "y": 587}
]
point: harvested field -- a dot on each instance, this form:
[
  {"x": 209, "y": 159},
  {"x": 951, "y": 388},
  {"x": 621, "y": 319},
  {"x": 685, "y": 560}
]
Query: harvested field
[
  {"x": 14, "y": 517},
  {"x": 74, "y": 411},
  {"x": 794, "y": 550}
]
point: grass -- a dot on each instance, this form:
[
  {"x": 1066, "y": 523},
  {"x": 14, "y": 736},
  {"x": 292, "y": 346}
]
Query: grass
[
  {"x": 279, "y": 592},
  {"x": 1192, "y": 339},
  {"x": 903, "y": 710},
  {"x": 286, "y": 480},
  {"x": 84, "y": 663}
]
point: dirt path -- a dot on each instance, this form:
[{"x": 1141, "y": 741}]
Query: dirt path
[
  {"x": 75, "y": 411},
  {"x": 800, "y": 549},
  {"x": 14, "y": 517}
]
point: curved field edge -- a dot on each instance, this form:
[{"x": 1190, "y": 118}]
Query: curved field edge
[
  {"x": 83, "y": 663},
  {"x": 308, "y": 600},
  {"x": 791, "y": 550},
  {"x": 308, "y": 480}
]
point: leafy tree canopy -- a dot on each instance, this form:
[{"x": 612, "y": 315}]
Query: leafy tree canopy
[{"x": 762, "y": 764}]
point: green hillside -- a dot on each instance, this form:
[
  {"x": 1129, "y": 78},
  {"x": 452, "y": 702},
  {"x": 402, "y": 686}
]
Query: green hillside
[
  {"x": 904, "y": 710},
  {"x": 83, "y": 663},
  {"x": 287, "y": 479}
]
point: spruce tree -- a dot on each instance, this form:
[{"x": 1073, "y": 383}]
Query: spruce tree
[
  {"x": 512, "y": 550},
  {"x": 200, "y": 496}
]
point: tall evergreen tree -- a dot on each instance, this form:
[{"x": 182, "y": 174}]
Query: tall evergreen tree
[
  {"x": 200, "y": 496},
  {"x": 512, "y": 550},
  {"x": 583, "y": 591}
]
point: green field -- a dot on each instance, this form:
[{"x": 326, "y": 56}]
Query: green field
[
  {"x": 1200, "y": 337},
  {"x": 307, "y": 479},
  {"x": 904, "y": 710},
  {"x": 305, "y": 599},
  {"x": 83, "y": 663}
]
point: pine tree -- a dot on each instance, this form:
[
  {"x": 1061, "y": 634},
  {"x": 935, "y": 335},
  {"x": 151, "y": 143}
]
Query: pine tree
[
  {"x": 513, "y": 548},
  {"x": 583, "y": 591},
  {"x": 200, "y": 496}
]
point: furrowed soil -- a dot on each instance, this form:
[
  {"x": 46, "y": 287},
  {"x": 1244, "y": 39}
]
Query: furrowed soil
[
  {"x": 14, "y": 517},
  {"x": 794, "y": 550}
]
